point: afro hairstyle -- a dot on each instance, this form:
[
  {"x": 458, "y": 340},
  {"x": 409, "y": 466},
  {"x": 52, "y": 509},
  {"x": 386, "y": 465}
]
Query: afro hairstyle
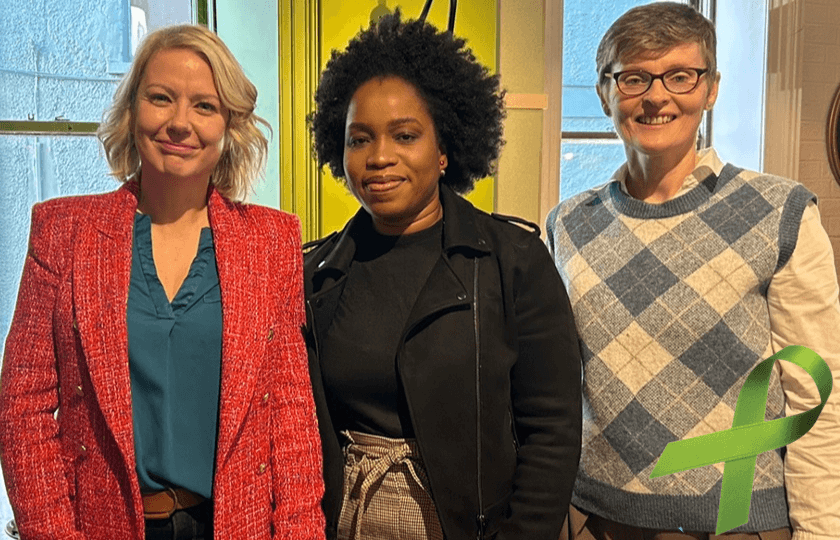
[{"x": 464, "y": 99}]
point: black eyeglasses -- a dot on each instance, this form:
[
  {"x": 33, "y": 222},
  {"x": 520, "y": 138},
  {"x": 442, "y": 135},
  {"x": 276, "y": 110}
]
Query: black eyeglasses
[{"x": 676, "y": 81}]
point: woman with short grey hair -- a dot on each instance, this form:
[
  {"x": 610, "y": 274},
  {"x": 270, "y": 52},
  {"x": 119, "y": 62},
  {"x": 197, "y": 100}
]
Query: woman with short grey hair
[{"x": 684, "y": 273}]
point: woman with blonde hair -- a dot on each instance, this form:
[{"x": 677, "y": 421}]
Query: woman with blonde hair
[{"x": 154, "y": 383}]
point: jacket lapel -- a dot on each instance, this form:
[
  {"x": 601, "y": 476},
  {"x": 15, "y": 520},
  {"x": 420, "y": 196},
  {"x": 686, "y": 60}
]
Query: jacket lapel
[
  {"x": 243, "y": 282},
  {"x": 101, "y": 274},
  {"x": 444, "y": 288}
]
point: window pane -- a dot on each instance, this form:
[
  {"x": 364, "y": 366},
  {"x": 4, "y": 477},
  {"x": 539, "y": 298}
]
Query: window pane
[
  {"x": 582, "y": 109},
  {"x": 50, "y": 70},
  {"x": 588, "y": 163},
  {"x": 66, "y": 65},
  {"x": 584, "y": 23},
  {"x": 146, "y": 15},
  {"x": 741, "y": 59}
]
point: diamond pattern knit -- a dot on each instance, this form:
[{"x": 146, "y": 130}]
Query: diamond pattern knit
[{"x": 670, "y": 304}]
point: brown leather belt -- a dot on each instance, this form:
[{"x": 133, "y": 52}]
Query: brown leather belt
[{"x": 162, "y": 504}]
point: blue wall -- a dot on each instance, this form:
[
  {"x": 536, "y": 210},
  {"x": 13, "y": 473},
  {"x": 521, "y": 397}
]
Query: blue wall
[{"x": 252, "y": 36}]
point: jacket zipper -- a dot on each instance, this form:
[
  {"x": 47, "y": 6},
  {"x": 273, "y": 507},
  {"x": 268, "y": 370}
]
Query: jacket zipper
[
  {"x": 513, "y": 431},
  {"x": 311, "y": 317},
  {"x": 481, "y": 519}
]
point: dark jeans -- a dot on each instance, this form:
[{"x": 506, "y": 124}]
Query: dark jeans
[{"x": 194, "y": 523}]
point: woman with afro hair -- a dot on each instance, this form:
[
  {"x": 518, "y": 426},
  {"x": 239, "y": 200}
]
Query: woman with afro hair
[{"x": 443, "y": 353}]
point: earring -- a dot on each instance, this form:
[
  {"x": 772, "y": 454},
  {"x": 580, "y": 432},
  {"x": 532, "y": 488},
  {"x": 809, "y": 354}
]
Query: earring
[{"x": 443, "y": 172}]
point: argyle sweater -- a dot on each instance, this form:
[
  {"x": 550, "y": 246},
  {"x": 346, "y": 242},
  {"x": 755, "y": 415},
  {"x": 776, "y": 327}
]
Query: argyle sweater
[{"x": 670, "y": 305}]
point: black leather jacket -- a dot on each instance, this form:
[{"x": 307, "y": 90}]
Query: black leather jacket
[{"x": 490, "y": 348}]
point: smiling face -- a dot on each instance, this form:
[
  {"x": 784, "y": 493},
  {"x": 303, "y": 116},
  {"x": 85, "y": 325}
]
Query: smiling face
[
  {"x": 658, "y": 123},
  {"x": 180, "y": 122},
  {"x": 392, "y": 158}
]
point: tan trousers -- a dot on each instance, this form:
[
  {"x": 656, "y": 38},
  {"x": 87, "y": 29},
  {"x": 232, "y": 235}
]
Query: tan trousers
[
  {"x": 386, "y": 491},
  {"x": 592, "y": 527}
]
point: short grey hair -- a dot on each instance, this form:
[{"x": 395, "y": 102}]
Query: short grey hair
[{"x": 655, "y": 28}]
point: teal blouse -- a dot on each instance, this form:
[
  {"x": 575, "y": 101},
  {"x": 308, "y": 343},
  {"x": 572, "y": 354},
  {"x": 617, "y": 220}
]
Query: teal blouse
[{"x": 174, "y": 354}]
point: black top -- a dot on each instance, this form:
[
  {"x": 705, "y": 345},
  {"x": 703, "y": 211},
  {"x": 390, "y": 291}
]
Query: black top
[{"x": 360, "y": 348}]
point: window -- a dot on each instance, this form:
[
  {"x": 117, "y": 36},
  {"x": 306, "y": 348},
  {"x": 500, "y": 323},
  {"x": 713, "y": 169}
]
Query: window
[{"x": 58, "y": 71}]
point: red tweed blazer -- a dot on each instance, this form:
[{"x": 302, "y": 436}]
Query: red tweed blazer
[{"x": 71, "y": 474}]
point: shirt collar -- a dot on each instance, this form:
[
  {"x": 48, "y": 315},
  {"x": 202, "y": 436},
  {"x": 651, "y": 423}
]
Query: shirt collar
[{"x": 708, "y": 162}]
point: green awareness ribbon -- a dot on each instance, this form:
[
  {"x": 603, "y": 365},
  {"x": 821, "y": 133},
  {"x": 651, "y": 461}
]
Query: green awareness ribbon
[{"x": 749, "y": 436}]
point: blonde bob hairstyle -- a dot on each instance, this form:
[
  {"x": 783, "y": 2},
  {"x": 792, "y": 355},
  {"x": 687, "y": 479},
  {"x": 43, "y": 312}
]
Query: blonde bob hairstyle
[
  {"x": 653, "y": 29},
  {"x": 245, "y": 147}
]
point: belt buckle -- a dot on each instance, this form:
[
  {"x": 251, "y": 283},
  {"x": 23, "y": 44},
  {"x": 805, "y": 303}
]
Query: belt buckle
[{"x": 164, "y": 514}]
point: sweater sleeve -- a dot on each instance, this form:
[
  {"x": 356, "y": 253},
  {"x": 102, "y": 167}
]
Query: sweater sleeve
[
  {"x": 804, "y": 310},
  {"x": 29, "y": 436}
]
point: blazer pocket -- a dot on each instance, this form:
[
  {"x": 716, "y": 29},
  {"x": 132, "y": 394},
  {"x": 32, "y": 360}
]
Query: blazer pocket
[
  {"x": 73, "y": 453},
  {"x": 70, "y": 475}
]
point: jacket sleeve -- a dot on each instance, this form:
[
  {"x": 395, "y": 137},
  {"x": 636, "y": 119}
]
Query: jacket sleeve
[
  {"x": 545, "y": 393},
  {"x": 296, "y": 460},
  {"x": 30, "y": 450}
]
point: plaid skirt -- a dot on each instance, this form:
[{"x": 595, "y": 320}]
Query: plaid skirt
[{"x": 386, "y": 491}]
